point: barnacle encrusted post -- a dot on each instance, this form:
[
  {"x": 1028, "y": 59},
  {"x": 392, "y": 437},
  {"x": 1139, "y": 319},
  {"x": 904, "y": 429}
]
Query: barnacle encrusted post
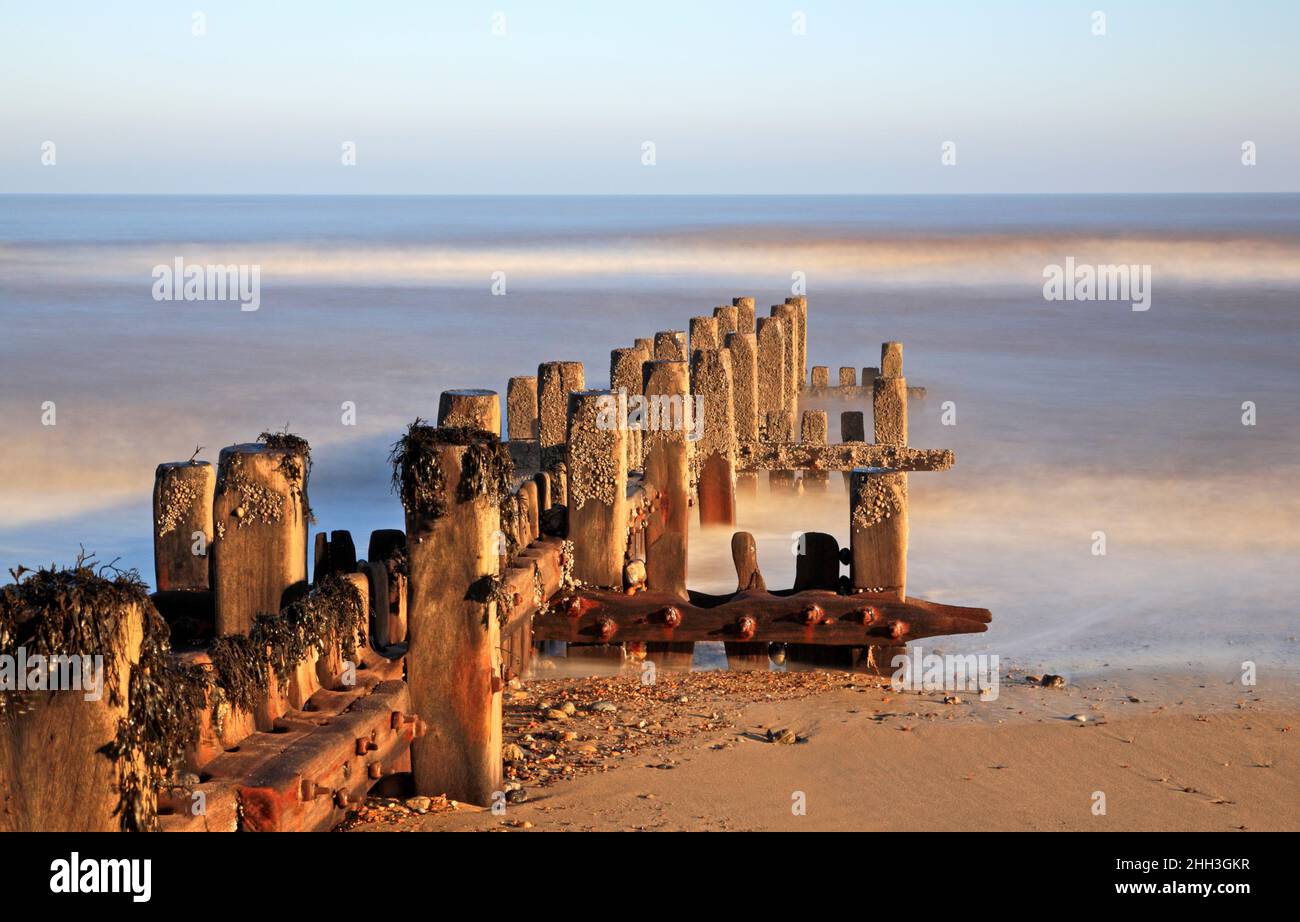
[
  {"x": 772, "y": 369},
  {"x": 704, "y": 333},
  {"x": 744, "y": 398},
  {"x": 667, "y": 469},
  {"x": 471, "y": 407},
  {"x": 813, "y": 431},
  {"x": 671, "y": 346},
  {"x": 60, "y": 769},
  {"x": 728, "y": 316},
  {"x": 627, "y": 374},
  {"x": 788, "y": 314},
  {"x": 521, "y": 422},
  {"x": 182, "y": 524},
  {"x": 878, "y": 531},
  {"x": 555, "y": 380},
  {"x": 744, "y": 314},
  {"x": 597, "y": 462},
  {"x": 852, "y": 429},
  {"x": 801, "y": 336},
  {"x": 260, "y": 517},
  {"x": 452, "y": 482},
  {"x": 715, "y": 451}
]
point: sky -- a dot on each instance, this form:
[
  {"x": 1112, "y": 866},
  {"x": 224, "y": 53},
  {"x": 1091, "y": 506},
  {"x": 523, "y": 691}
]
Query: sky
[{"x": 438, "y": 98}]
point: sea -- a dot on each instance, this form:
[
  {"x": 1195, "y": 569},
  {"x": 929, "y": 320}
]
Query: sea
[{"x": 1125, "y": 493}]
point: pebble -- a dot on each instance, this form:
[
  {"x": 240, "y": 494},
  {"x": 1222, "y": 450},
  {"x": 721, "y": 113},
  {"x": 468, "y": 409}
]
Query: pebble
[
  {"x": 604, "y": 707},
  {"x": 419, "y": 804},
  {"x": 556, "y": 714},
  {"x": 512, "y": 752},
  {"x": 1081, "y": 718},
  {"x": 1052, "y": 681}
]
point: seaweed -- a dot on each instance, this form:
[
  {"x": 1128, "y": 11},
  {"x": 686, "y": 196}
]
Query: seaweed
[
  {"x": 55, "y": 611},
  {"x": 74, "y": 610},
  {"x": 296, "y": 464},
  {"x": 418, "y": 477}
]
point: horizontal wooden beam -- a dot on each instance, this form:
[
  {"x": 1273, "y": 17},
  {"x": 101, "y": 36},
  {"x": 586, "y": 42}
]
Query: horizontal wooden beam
[
  {"x": 519, "y": 587},
  {"x": 843, "y": 456},
  {"x": 812, "y": 617}
]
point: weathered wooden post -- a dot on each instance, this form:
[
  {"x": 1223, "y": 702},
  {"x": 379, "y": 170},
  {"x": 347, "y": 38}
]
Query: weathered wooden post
[
  {"x": 704, "y": 333},
  {"x": 788, "y": 314},
  {"x": 879, "y": 495},
  {"x": 182, "y": 524},
  {"x": 741, "y": 655},
  {"x": 891, "y": 360},
  {"x": 744, "y": 314},
  {"x": 555, "y": 381},
  {"x": 728, "y": 316},
  {"x": 715, "y": 452},
  {"x": 475, "y": 408},
  {"x": 597, "y": 463},
  {"x": 852, "y": 429},
  {"x": 821, "y": 378},
  {"x": 878, "y": 531},
  {"x": 772, "y": 369},
  {"x": 848, "y": 376},
  {"x": 452, "y": 482},
  {"x": 58, "y": 772},
  {"x": 780, "y": 428},
  {"x": 670, "y": 346},
  {"x": 889, "y": 410},
  {"x": 260, "y": 514},
  {"x": 813, "y": 431},
  {"x": 744, "y": 393},
  {"x": 667, "y": 469},
  {"x": 627, "y": 374},
  {"x": 801, "y": 335}
]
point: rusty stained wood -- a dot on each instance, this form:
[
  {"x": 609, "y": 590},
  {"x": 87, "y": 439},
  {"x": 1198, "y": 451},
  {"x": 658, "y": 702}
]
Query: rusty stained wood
[
  {"x": 812, "y": 617},
  {"x": 843, "y": 456}
]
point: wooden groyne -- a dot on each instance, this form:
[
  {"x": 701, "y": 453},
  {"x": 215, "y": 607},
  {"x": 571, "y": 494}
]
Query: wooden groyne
[{"x": 251, "y": 692}]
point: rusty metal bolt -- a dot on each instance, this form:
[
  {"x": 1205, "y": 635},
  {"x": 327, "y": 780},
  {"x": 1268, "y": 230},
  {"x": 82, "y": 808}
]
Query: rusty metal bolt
[
  {"x": 897, "y": 629},
  {"x": 517, "y": 600},
  {"x": 746, "y": 627},
  {"x": 573, "y": 607},
  {"x": 869, "y": 614},
  {"x": 671, "y": 616},
  {"x": 607, "y": 629},
  {"x": 341, "y": 799},
  {"x": 375, "y": 771},
  {"x": 812, "y": 614}
]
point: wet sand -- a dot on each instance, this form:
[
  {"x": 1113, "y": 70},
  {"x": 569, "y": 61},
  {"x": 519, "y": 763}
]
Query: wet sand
[{"x": 1168, "y": 751}]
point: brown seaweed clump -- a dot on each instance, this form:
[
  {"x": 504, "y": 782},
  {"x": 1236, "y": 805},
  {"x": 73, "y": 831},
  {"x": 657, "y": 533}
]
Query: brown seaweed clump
[
  {"x": 296, "y": 466},
  {"x": 418, "y": 477},
  {"x": 58, "y": 611}
]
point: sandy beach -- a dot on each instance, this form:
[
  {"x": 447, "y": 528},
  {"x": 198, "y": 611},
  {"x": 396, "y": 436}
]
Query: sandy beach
[{"x": 1168, "y": 751}]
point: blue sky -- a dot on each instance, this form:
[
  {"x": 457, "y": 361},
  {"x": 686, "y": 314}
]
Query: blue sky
[{"x": 733, "y": 101}]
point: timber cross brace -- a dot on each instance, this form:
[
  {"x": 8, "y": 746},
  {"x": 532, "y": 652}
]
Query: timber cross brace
[{"x": 629, "y": 488}]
